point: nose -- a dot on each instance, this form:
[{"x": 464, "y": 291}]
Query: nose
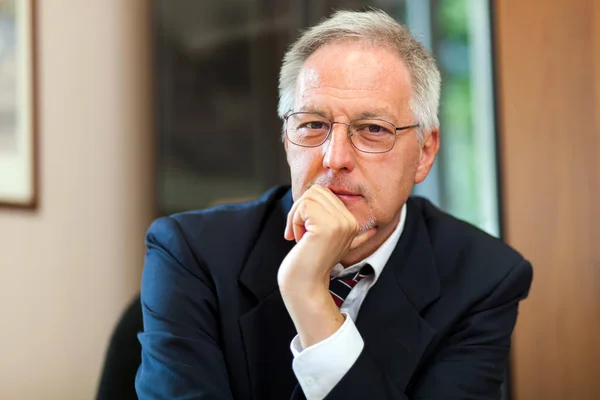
[{"x": 339, "y": 151}]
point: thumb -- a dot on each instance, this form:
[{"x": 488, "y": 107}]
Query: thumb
[{"x": 361, "y": 238}]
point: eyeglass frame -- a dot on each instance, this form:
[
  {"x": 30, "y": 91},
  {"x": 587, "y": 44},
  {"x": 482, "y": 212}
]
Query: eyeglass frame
[{"x": 396, "y": 129}]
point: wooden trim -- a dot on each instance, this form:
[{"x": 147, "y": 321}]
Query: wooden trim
[{"x": 548, "y": 64}]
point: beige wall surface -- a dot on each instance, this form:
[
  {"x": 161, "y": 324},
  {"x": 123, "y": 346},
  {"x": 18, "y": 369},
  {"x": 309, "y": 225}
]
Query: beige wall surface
[
  {"x": 68, "y": 269},
  {"x": 548, "y": 61}
]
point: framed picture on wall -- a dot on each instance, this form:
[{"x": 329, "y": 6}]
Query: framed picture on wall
[{"x": 18, "y": 180}]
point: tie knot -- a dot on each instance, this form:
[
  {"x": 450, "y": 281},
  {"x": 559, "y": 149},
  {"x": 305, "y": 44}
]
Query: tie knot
[{"x": 341, "y": 286}]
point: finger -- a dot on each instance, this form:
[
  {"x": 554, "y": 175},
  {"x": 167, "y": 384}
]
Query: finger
[
  {"x": 305, "y": 215},
  {"x": 288, "y": 233},
  {"x": 298, "y": 228},
  {"x": 313, "y": 194},
  {"x": 331, "y": 200},
  {"x": 338, "y": 206},
  {"x": 319, "y": 203},
  {"x": 296, "y": 220},
  {"x": 339, "y": 209},
  {"x": 289, "y": 226},
  {"x": 341, "y": 216}
]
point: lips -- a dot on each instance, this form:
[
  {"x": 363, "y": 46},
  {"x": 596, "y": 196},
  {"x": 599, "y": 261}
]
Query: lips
[
  {"x": 342, "y": 192},
  {"x": 346, "y": 196}
]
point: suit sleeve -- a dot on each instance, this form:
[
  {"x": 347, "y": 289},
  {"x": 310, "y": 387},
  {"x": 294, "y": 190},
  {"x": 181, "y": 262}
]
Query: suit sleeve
[
  {"x": 472, "y": 360},
  {"x": 181, "y": 346},
  {"x": 468, "y": 364}
]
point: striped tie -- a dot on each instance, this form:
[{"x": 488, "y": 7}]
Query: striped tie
[{"x": 340, "y": 287}]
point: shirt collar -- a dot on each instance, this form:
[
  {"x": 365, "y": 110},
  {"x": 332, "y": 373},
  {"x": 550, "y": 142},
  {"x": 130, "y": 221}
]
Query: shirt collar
[{"x": 380, "y": 257}]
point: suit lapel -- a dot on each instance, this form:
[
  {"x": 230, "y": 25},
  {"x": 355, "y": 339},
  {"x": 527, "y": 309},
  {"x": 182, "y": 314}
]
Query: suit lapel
[
  {"x": 267, "y": 329},
  {"x": 389, "y": 321}
]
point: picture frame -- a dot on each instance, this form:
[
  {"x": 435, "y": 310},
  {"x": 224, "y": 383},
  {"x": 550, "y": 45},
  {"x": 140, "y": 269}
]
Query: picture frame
[{"x": 18, "y": 124}]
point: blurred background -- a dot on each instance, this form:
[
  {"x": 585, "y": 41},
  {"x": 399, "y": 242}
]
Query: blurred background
[
  {"x": 217, "y": 65},
  {"x": 146, "y": 108}
]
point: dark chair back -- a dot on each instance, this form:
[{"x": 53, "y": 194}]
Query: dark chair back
[{"x": 123, "y": 357}]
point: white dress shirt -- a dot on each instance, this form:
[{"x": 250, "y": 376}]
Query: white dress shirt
[{"x": 321, "y": 366}]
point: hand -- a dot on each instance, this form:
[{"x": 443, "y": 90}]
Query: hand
[{"x": 325, "y": 231}]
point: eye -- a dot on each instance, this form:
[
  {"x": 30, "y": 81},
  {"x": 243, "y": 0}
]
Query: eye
[
  {"x": 374, "y": 128},
  {"x": 315, "y": 125}
]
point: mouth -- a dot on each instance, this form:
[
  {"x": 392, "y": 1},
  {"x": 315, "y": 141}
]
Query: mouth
[{"x": 345, "y": 195}]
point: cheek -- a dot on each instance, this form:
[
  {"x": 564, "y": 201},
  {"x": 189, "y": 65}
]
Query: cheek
[
  {"x": 303, "y": 164},
  {"x": 386, "y": 188},
  {"x": 392, "y": 184}
]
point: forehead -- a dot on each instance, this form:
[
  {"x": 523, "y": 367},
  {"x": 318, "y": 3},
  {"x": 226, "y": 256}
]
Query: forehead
[{"x": 351, "y": 74}]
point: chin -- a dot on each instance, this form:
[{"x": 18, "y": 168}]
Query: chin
[
  {"x": 365, "y": 218},
  {"x": 368, "y": 224}
]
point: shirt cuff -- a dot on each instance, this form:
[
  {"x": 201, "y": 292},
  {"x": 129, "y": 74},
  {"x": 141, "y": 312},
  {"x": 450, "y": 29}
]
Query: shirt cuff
[{"x": 320, "y": 367}]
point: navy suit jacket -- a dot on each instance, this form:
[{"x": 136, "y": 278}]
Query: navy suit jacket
[{"x": 436, "y": 325}]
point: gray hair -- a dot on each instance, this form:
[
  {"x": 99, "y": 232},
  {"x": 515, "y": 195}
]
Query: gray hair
[{"x": 375, "y": 27}]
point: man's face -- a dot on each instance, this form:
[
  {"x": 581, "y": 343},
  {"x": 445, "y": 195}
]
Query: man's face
[{"x": 342, "y": 82}]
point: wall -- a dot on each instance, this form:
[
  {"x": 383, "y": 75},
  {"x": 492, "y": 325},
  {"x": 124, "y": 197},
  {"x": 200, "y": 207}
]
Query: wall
[
  {"x": 548, "y": 61},
  {"x": 67, "y": 270}
]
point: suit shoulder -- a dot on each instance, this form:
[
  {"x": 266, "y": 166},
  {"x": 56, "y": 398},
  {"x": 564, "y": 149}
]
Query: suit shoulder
[
  {"x": 460, "y": 247},
  {"x": 217, "y": 230},
  {"x": 229, "y": 219}
]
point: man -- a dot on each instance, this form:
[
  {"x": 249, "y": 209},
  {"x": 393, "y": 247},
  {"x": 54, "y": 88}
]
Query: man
[{"x": 239, "y": 301}]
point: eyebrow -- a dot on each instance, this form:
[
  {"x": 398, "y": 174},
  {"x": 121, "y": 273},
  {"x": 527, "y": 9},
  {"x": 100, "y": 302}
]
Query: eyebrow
[
  {"x": 378, "y": 113},
  {"x": 312, "y": 110}
]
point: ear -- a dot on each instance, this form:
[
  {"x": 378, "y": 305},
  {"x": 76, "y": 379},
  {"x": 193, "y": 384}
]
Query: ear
[{"x": 429, "y": 149}]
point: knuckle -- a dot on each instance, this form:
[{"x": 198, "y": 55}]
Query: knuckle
[
  {"x": 304, "y": 206},
  {"x": 340, "y": 227},
  {"x": 314, "y": 189}
]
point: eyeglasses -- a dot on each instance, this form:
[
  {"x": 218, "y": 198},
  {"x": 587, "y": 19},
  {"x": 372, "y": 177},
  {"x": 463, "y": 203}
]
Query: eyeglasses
[{"x": 367, "y": 135}]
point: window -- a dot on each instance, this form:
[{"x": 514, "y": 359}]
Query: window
[{"x": 217, "y": 65}]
